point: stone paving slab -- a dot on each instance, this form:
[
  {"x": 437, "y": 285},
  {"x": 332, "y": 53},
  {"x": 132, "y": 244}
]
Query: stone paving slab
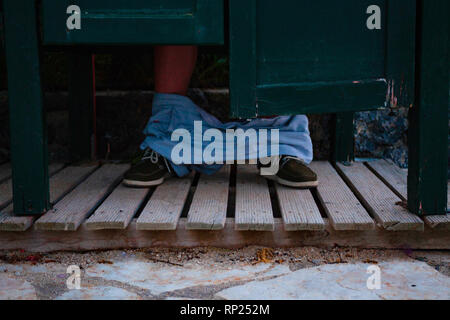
[
  {"x": 99, "y": 293},
  {"x": 399, "y": 281},
  {"x": 159, "y": 278},
  {"x": 12, "y": 288}
]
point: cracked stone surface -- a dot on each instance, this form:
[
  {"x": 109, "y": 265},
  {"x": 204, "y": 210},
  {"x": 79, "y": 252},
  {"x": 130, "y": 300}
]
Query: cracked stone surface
[
  {"x": 158, "y": 279},
  {"x": 99, "y": 293},
  {"x": 12, "y": 288},
  {"x": 211, "y": 273},
  {"x": 399, "y": 281}
]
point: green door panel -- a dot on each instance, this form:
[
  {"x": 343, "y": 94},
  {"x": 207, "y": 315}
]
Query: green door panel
[
  {"x": 290, "y": 57},
  {"x": 326, "y": 40},
  {"x": 120, "y": 22}
]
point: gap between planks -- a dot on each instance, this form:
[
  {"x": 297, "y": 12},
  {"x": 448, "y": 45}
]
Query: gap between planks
[
  {"x": 378, "y": 198},
  {"x": 72, "y": 210},
  {"x": 6, "y": 187},
  {"x": 117, "y": 210},
  {"x": 165, "y": 206},
  {"x": 340, "y": 204},
  {"x": 394, "y": 177},
  {"x": 298, "y": 209},
  {"x": 330, "y": 183}
]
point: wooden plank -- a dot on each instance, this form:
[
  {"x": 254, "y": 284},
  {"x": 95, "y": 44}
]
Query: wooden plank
[
  {"x": 393, "y": 176},
  {"x": 164, "y": 208},
  {"x": 118, "y": 209},
  {"x": 441, "y": 222},
  {"x": 298, "y": 209},
  {"x": 6, "y": 188},
  {"x": 61, "y": 183},
  {"x": 381, "y": 202},
  {"x": 208, "y": 209},
  {"x": 70, "y": 212},
  {"x": 253, "y": 205},
  {"x": 438, "y": 222},
  {"x": 83, "y": 240},
  {"x": 341, "y": 205},
  {"x": 397, "y": 178},
  {"x": 5, "y": 171}
]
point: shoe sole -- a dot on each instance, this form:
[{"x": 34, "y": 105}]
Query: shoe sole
[
  {"x": 142, "y": 184},
  {"x": 304, "y": 185}
]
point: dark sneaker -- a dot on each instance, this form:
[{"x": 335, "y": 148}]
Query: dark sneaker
[
  {"x": 293, "y": 172},
  {"x": 150, "y": 170}
]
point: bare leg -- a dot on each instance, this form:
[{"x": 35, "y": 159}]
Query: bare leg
[{"x": 173, "y": 68}]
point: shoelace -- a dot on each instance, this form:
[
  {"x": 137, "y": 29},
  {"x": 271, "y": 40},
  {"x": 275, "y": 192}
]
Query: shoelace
[
  {"x": 285, "y": 159},
  {"x": 153, "y": 156}
]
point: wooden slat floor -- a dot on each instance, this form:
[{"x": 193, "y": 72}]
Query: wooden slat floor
[{"x": 362, "y": 197}]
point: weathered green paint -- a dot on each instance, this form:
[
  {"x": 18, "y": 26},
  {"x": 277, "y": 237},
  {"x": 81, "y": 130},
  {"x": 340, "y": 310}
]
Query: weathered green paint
[
  {"x": 427, "y": 178},
  {"x": 318, "y": 97},
  {"x": 118, "y": 22},
  {"x": 242, "y": 57},
  {"x": 81, "y": 102},
  {"x": 344, "y": 141},
  {"x": 317, "y": 56},
  {"x": 28, "y": 129},
  {"x": 298, "y": 57}
]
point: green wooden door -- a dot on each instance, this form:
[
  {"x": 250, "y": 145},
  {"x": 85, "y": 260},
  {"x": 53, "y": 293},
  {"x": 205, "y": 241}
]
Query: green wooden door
[
  {"x": 293, "y": 57},
  {"x": 117, "y": 22}
]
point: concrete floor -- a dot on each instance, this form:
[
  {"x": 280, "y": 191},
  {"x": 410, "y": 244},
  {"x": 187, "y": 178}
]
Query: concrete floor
[{"x": 209, "y": 273}]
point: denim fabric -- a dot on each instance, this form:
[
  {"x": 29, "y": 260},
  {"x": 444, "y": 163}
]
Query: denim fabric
[{"x": 171, "y": 112}]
